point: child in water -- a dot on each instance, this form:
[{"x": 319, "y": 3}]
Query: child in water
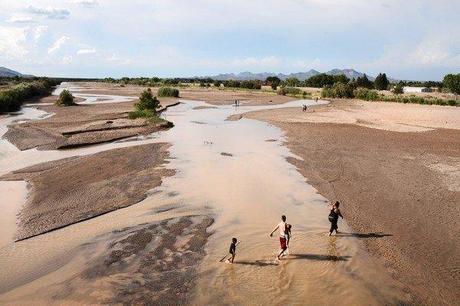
[
  {"x": 287, "y": 235},
  {"x": 232, "y": 250}
]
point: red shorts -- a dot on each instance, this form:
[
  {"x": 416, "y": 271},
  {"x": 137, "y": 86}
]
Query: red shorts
[{"x": 283, "y": 243}]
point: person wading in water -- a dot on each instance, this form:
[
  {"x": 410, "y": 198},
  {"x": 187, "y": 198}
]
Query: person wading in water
[
  {"x": 282, "y": 231},
  {"x": 334, "y": 215}
]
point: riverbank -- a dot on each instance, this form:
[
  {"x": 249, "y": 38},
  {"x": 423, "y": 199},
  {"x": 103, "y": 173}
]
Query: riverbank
[{"x": 396, "y": 169}]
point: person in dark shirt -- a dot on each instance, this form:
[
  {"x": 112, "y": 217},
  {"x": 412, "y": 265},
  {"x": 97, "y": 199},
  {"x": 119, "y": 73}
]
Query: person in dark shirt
[
  {"x": 334, "y": 215},
  {"x": 232, "y": 250}
]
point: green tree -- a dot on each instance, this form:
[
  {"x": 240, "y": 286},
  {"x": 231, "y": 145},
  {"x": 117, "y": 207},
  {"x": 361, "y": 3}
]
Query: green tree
[
  {"x": 399, "y": 88},
  {"x": 341, "y": 78},
  {"x": 381, "y": 82},
  {"x": 292, "y": 82},
  {"x": 65, "y": 99},
  {"x": 320, "y": 80},
  {"x": 147, "y": 101},
  {"x": 273, "y": 81},
  {"x": 364, "y": 82},
  {"x": 452, "y": 82}
]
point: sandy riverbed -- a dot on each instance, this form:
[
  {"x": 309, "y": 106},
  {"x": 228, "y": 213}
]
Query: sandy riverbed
[
  {"x": 351, "y": 151},
  {"x": 396, "y": 169}
]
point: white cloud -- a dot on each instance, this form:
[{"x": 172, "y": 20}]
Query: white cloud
[
  {"x": 66, "y": 60},
  {"x": 38, "y": 32},
  {"x": 20, "y": 19},
  {"x": 117, "y": 60},
  {"x": 86, "y": 51},
  {"x": 12, "y": 42},
  {"x": 87, "y": 3},
  {"x": 49, "y": 12},
  {"x": 58, "y": 44}
]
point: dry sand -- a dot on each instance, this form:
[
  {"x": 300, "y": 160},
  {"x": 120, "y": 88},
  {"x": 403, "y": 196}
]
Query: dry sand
[
  {"x": 401, "y": 187},
  {"x": 210, "y": 95}
]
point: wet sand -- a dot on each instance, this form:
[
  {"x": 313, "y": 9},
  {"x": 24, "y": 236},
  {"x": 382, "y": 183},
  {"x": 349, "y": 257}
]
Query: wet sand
[
  {"x": 75, "y": 189},
  {"x": 400, "y": 190}
]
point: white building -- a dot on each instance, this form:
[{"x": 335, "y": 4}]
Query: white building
[{"x": 410, "y": 89}]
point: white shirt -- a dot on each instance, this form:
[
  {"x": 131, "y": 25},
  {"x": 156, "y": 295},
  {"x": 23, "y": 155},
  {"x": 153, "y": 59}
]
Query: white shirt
[{"x": 282, "y": 228}]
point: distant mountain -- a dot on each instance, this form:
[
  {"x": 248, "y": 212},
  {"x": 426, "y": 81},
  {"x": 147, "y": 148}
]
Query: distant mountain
[
  {"x": 349, "y": 73},
  {"x": 5, "y": 72},
  {"x": 242, "y": 76}
]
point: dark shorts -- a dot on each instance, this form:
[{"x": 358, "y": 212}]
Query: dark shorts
[{"x": 283, "y": 243}]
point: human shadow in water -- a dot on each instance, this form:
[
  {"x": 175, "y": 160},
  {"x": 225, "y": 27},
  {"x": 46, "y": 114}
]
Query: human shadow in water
[
  {"x": 363, "y": 235},
  {"x": 318, "y": 257},
  {"x": 259, "y": 263}
]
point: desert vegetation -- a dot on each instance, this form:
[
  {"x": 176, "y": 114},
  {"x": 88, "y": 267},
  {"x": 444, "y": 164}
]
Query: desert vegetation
[
  {"x": 168, "y": 92},
  {"x": 65, "y": 99},
  {"x": 147, "y": 107},
  {"x": 13, "y": 94},
  {"x": 347, "y": 91}
]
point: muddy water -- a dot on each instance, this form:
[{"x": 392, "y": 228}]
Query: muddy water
[
  {"x": 237, "y": 172},
  {"x": 248, "y": 188}
]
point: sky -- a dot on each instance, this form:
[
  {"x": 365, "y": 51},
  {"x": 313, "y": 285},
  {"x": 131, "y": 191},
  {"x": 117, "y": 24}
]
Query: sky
[{"x": 416, "y": 40}]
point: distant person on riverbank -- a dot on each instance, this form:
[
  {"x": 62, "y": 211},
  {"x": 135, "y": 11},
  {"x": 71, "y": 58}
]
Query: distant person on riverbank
[
  {"x": 334, "y": 215},
  {"x": 304, "y": 108},
  {"x": 282, "y": 235},
  {"x": 232, "y": 250}
]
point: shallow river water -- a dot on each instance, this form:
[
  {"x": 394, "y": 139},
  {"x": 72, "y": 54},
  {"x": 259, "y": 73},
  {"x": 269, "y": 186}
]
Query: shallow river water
[{"x": 237, "y": 172}]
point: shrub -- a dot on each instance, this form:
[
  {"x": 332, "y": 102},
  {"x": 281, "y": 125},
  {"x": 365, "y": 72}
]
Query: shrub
[
  {"x": 252, "y": 84},
  {"x": 147, "y": 101},
  {"x": 289, "y": 91},
  {"x": 366, "y": 94},
  {"x": 398, "y": 89},
  {"x": 168, "y": 92},
  {"x": 338, "y": 90},
  {"x": 12, "y": 98},
  {"x": 65, "y": 99}
]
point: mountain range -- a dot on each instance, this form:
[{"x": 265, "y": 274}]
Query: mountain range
[
  {"x": 349, "y": 73},
  {"x": 8, "y": 73}
]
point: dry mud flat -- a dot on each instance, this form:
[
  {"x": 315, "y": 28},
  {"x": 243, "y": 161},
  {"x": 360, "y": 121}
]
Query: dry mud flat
[{"x": 397, "y": 174}]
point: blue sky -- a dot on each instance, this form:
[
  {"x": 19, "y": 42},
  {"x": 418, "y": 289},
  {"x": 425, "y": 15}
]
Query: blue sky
[{"x": 97, "y": 38}]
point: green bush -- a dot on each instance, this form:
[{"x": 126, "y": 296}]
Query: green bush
[
  {"x": 168, "y": 92},
  {"x": 398, "y": 89},
  {"x": 147, "y": 101},
  {"x": 366, "y": 94},
  {"x": 338, "y": 90},
  {"x": 65, "y": 99},
  {"x": 283, "y": 91},
  {"x": 11, "y": 99}
]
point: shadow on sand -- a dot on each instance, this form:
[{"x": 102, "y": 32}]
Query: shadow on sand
[
  {"x": 259, "y": 263},
  {"x": 318, "y": 257},
  {"x": 363, "y": 235}
]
